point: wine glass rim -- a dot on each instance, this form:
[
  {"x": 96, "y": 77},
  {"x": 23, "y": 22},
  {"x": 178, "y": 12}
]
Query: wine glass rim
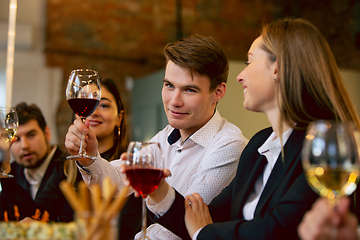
[{"x": 84, "y": 70}]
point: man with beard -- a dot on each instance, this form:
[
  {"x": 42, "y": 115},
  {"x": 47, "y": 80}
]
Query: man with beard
[{"x": 35, "y": 161}]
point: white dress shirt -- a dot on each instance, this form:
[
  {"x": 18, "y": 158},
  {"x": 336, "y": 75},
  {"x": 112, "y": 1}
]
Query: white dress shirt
[
  {"x": 35, "y": 175},
  {"x": 205, "y": 163}
]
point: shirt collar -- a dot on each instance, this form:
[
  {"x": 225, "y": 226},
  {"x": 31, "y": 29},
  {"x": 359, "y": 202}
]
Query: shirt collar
[
  {"x": 34, "y": 176},
  {"x": 273, "y": 143},
  {"x": 204, "y": 135},
  {"x": 271, "y": 148}
]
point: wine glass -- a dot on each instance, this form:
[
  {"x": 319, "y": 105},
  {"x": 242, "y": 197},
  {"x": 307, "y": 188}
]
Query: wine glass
[
  {"x": 83, "y": 95},
  {"x": 9, "y": 124},
  {"x": 330, "y": 158},
  {"x": 145, "y": 166}
]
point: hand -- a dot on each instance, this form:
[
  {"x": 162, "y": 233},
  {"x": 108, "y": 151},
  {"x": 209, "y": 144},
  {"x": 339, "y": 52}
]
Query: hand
[
  {"x": 73, "y": 140},
  {"x": 197, "y": 213},
  {"x": 5, "y": 147},
  {"x": 155, "y": 196},
  {"x": 325, "y": 222}
]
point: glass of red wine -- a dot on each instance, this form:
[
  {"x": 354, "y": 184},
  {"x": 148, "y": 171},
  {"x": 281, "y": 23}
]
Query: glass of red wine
[
  {"x": 145, "y": 166},
  {"x": 83, "y": 95}
]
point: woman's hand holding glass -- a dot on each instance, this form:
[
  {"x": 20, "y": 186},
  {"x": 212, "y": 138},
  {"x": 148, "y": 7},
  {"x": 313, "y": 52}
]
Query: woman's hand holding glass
[
  {"x": 83, "y": 95},
  {"x": 73, "y": 140},
  {"x": 322, "y": 219}
]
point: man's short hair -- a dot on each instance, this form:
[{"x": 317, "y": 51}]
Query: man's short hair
[
  {"x": 28, "y": 112},
  {"x": 202, "y": 55}
]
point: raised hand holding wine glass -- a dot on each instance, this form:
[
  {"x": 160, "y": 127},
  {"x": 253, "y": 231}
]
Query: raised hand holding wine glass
[
  {"x": 145, "y": 166},
  {"x": 83, "y": 95},
  {"x": 9, "y": 124},
  {"x": 330, "y": 158}
]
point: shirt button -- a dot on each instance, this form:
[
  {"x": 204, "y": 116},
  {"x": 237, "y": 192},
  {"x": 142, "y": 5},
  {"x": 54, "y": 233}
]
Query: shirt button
[{"x": 179, "y": 150}]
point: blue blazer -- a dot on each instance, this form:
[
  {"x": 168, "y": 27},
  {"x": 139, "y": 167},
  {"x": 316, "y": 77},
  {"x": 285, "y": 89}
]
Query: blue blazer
[{"x": 285, "y": 199}]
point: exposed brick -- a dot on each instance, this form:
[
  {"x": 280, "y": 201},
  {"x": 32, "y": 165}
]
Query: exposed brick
[{"x": 126, "y": 38}]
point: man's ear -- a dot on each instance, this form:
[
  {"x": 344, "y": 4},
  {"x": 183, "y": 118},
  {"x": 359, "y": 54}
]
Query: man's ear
[
  {"x": 47, "y": 133},
  {"x": 220, "y": 91}
]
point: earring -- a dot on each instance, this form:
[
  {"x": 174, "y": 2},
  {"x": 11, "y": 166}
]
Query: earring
[
  {"x": 274, "y": 79},
  {"x": 119, "y": 132}
]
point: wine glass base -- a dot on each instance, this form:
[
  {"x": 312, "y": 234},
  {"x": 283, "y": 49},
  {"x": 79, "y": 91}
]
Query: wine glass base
[
  {"x": 81, "y": 156},
  {"x": 5, "y": 175}
]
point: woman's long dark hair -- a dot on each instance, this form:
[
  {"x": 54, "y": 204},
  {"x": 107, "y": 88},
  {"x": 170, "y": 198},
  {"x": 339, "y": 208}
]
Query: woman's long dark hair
[{"x": 121, "y": 142}]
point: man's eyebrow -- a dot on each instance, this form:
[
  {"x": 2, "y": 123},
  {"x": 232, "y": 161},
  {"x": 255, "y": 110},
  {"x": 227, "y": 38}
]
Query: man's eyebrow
[
  {"x": 32, "y": 131},
  {"x": 186, "y": 86},
  {"x": 29, "y": 132}
]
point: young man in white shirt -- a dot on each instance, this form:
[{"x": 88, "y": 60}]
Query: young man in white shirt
[{"x": 201, "y": 148}]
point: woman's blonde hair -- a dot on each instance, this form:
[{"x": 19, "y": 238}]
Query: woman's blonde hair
[{"x": 308, "y": 78}]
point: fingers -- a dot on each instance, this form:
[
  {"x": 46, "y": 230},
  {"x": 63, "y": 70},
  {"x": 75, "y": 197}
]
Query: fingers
[
  {"x": 196, "y": 201},
  {"x": 343, "y": 207},
  {"x": 123, "y": 156},
  {"x": 167, "y": 173},
  {"x": 197, "y": 213},
  {"x": 74, "y": 135},
  {"x": 314, "y": 220}
]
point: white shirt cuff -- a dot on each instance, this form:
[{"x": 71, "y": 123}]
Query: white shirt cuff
[
  {"x": 162, "y": 207},
  {"x": 194, "y": 237}
]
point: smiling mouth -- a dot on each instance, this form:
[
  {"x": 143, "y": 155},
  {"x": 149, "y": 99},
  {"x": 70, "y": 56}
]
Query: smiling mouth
[
  {"x": 94, "y": 123},
  {"x": 177, "y": 114}
]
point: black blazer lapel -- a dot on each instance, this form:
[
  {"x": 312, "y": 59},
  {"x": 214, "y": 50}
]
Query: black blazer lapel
[
  {"x": 244, "y": 183},
  {"x": 282, "y": 168},
  {"x": 18, "y": 172},
  {"x": 248, "y": 187},
  {"x": 54, "y": 163}
]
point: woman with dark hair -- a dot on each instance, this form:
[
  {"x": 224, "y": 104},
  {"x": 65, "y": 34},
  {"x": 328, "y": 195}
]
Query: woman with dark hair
[{"x": 109, "y": 123}]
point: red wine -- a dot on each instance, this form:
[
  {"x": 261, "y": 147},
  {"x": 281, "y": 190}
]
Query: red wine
[
  {"x": 83, "y": 107},
  {"x": 144, "y": 180}
]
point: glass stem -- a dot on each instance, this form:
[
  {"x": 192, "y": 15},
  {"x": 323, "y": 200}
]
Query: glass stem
[
  {"x": 82, "y": 151},
  {"x": 144, "y": 214}
]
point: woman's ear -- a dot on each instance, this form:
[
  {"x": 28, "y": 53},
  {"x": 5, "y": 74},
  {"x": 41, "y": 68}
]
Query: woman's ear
[
  {"x": 120, "y": 118},
  {"x": 275, "y": 71}
]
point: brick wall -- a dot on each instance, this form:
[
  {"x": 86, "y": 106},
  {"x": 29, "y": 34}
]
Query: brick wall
[{"x": 122, "y": 38}]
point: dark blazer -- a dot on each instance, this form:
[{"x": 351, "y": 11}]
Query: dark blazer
[
  {"x": 18, "y": 171},
  {"x": 285, "y": 199},
  {"x": 16, "y": 190}
]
